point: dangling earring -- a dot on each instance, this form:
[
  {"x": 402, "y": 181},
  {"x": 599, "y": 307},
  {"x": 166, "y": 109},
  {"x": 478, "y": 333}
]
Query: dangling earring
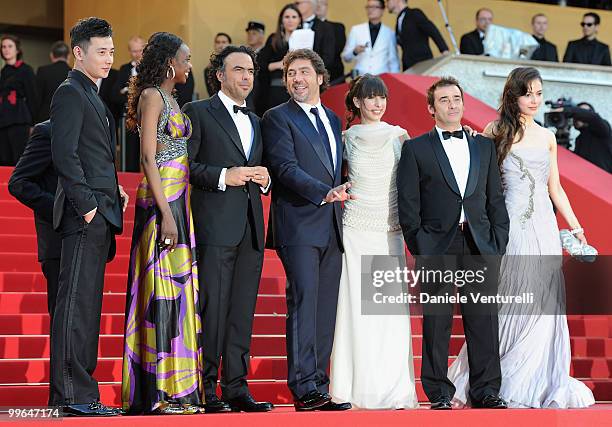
[{"x": 173, "y": 72}]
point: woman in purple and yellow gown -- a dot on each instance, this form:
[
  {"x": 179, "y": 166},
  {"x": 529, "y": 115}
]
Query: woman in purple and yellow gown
[{"x": 162, "y": 352}]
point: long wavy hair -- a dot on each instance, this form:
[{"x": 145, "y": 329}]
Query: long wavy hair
[
  {"x": 278, "y": 38},
  {"x": 151, "y": 71},
  {"x": 509, "y": 127},
  {"x": 363, "y": 87}
]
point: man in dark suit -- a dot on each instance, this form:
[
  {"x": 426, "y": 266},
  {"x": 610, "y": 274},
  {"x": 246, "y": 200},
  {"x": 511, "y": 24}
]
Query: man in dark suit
[
  {"x": 303, "y": 146},
  {"x": 34, "y": 182},
  {"x": 588, "y": 50},
  {"x": 118, "y": 96},
  {"x": 225, "y": 156},
  {"x": 325, "y": 39},
  {"x": 49, "y": 77},
  {"x": 88, "y": 213},
  {"x": 546, "y": 51},
  {"x": 471, "y": 43},
  {"x": 336, "y": 73},
  {"x": 451, "y": 203},
  {"x": 413, "y": 30}
]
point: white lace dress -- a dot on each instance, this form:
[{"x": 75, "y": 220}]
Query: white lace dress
[{"x": 371, "y": 365}]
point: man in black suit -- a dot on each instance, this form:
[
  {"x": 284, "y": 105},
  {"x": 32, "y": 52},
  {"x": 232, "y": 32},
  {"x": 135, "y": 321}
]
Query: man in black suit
[
  {"x": 303, "y": 145},
  {"x": 413, "y": 30},
  {"x": 49, "y": 77},
  {"x": 588, "y": 50},
  {"x": 336, "y": 73},
  {"x": 546, "y": 51},
  {"x": 88, "y": 213},
  {"x": 324, "y": 39},
  {"x": 119, "y": 97},
  {"x": 225, "y": 156},
  {"x": 451, "y": 203},
  {"x": 34, "y": 182},
  {"x": 471, "y": 43}
]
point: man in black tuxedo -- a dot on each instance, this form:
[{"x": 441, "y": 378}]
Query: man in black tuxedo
[
  {"x": 88, "y": 213},
  {"x": 588, "y": 50},
  {"x": 34, "y": 182},
  {"x": 471, "y": 43},
  {"x": 546, "y": 51},
  {"x": 413, "y": 30},
  {"x": 119, "y": 93},
  {"x": 49, "y": 77},
  {"x": 336, "y": 73},
  {"x": 451, "y": 203},
  {"x": 225, "y": 156},
  {"x": 303, "y": 145},
  {"x": 324, "y": 39}
]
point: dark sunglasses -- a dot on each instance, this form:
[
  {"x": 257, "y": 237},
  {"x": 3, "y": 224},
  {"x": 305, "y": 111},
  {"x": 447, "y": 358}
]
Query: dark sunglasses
[{"x": 587, "y": 24}]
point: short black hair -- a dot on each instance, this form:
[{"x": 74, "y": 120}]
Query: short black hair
[
  {"x": 85, "y": 29},
  {"x": 591, "y": 108},
  {"x": 59, "y": 49},
  {"x": 594, "y": 16},
  {"x": 229, "y": 39},
  {"x": 217, "y": 63}
]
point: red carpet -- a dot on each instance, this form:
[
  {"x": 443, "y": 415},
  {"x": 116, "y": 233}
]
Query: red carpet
[{"x": 24, "y": 345}]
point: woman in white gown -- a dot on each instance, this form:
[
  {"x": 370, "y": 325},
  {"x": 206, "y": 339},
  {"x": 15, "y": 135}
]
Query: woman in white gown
[
  {"x": 534, "y": 342},
  {"x": 371, "y": 364}
]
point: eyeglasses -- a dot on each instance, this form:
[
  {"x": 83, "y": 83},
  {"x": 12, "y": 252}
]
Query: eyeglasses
[
  {"x": 587, "y": 24},
  {"x": 372, "y": 7}
]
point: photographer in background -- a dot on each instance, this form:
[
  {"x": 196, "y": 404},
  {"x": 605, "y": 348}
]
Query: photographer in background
[{"x": 595, "y": 140}]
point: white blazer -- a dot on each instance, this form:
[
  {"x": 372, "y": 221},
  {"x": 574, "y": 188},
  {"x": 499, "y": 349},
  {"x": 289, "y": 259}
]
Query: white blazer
[{"x": 377, "y": 59}]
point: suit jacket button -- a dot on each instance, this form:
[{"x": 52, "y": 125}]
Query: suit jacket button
[
  {"x": 459, "y": 201},
  {"x": 245, "y": 189}
]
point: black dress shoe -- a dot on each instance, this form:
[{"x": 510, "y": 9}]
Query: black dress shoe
[
  {"x": 491, "y": 401},
  {"x": 310, "y": 401},
  {"x": 442, "y": 403},
  {"x": 246, "y": 403},
  {"x": 214, "y": 405},
  {"x": 93, "y": 409},
  {"x": 333, "y": 406}
]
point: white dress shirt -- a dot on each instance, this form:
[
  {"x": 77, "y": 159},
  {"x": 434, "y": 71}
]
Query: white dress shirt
[
  {"x": 307, "y": 23},
  {"x": 380, "y": 57},
  {"x": 326, "y": 125},
  {"x": 245, "y": 130},
  {"x": 458, "y": 153}
]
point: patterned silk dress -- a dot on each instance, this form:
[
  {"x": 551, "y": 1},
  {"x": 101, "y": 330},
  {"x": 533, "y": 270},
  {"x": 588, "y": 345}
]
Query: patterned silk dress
[{"x": 162, "y": 353}]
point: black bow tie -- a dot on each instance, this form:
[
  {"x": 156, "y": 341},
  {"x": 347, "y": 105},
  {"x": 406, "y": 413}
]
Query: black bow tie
[
  {"x": 244, "y": 110},
  {"x": 456, "y": 134}
]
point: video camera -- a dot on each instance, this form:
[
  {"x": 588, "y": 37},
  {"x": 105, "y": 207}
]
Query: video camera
[{"x": 560, "y": 120}]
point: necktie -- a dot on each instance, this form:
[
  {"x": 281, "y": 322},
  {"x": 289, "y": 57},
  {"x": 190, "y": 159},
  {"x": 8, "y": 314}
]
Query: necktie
[
  {"x": 323, "y": 134},
  {"x": 244, "y": 110},
  {"x": 456, "y": 134}
]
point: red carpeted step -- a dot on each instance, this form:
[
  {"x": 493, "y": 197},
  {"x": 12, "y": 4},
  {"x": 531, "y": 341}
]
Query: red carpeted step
[
  {"x": 11, "y": 261},
  {"x": 16, "y": 303},
  {"x": 36, "y": 346},
  {"x": 110, "y": 370},
  {"x": 38, "y": 324},
  {"x": 15, "y": 281},
  {"x": 273, "y": 368}
]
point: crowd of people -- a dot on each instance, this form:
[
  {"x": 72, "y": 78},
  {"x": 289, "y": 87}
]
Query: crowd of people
[
  {"x": 371, "y": 47},
  {"x": 198, "y": 238}
]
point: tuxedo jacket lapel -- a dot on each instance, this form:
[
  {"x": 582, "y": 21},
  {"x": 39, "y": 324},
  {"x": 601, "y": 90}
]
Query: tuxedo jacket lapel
[
  {"x": 443, "y": 161},
  {"x": 256, "y": 134},
  {"x": 304, "y": 124},
  {"x": 219, "y": 112},
  {"x": 474, "y": 166}
]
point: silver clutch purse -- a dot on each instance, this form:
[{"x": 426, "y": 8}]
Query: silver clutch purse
[{"x": 578, "y": 250}]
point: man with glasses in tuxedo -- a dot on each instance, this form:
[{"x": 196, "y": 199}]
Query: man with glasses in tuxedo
[{"x": 588, "y": 50}]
